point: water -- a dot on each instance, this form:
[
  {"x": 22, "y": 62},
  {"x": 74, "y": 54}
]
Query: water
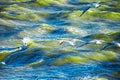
[{"x": 44, "y": 23}]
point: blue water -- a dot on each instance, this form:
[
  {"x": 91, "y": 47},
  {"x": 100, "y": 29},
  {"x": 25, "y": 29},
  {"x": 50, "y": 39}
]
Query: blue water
[{"x": 13, "y": 30}]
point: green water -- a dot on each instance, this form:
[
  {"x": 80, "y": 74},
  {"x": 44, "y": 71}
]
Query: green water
[{"x": 45, "y": 23}]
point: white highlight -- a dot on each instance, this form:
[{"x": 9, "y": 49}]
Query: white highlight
[
  {"x": 97, "y": 41},
  {"x": 117, "y": 44},
  {"x": 70, "y": 41},
  {"x": 3, "y": 63},
  {"x": 26, "y": 41}
]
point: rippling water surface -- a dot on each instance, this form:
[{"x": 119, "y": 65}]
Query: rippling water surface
[{"x": 43, "y": 24}]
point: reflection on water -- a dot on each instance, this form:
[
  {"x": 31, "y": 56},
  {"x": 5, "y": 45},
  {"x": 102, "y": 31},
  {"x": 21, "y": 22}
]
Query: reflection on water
[{"x": 44, "y": 24}]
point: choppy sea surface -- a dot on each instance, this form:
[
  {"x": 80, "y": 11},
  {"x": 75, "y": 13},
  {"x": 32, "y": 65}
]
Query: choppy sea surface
[{"x": 43, "y": 24}]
